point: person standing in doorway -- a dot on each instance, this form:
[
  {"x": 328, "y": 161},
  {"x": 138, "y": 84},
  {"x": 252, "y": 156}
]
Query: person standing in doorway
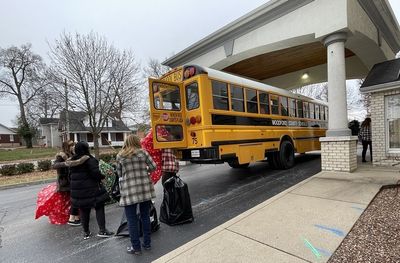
[
  {"x": 133, "y": 168},
  {"x": 366, "y": 138}
]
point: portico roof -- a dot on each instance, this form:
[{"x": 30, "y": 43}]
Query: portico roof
[{"x": 279, "y": 41}]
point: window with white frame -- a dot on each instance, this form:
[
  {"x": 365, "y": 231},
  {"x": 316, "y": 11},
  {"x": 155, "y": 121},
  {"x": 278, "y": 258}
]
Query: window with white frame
[{"x": 392, "y": 110}]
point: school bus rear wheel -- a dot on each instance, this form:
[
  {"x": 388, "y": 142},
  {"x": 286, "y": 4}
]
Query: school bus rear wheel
[{"x": 286, "y": 155}]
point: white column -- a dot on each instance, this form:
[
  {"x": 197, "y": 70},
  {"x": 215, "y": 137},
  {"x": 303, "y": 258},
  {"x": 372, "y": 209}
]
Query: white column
[
  {"x": 109, "y": 138},
  {"x": 51, "y": 136},
  {"x": 75, "y": 137},
  {"x": 337, "y": 85}
]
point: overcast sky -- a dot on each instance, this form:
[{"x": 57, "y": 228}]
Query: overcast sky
[{"x": 151, "y": 28}]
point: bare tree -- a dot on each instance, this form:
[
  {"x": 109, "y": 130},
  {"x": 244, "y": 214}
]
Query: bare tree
[
  {"x": 97, "y": 74},
  {"x": 356, "y": 102},
  {"x": 316, "y": 91},
  {"x": 47, "y": 104},
  {"x": 22, "y": 75},
  {"x": 154, "y": 69},
  {"x": 129, "y": 86},
  {"x": 365, "y": 97}
]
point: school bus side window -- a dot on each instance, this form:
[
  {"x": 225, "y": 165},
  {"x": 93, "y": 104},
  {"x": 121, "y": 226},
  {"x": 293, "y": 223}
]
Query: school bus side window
[
  {"x": 192, "y": 96},
  {"x": 292, "y": 107},
  {"x": 312, "y": 116},
  {"x": 274, "y": 104},
  {"x": 317, "y": 112},
  {"x": 322, "y": 112},
  {"x": 237, "y": 98},
  {"x": 264, "y": 103},
  {"x": 220, "y": 95},
  {"x": 306, "y": 111},
  {"x": 326, "y": 113},
  {"x": 284, "y": 106},
  {"x": 299, "y": 109},
  {"x": 251, "y": 98}
]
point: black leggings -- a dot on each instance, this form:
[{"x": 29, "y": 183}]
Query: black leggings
[
  {"x": 100, "y": 217},
  {"x": 74, "y": 211},
  {"x": 365, "y": 147}
]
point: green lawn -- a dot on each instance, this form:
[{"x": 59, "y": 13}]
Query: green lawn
[{"x": 24, "y": 154}]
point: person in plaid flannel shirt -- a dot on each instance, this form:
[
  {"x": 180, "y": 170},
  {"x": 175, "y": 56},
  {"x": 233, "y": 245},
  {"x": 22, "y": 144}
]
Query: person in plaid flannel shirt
[
  {"x": 366, "y": 138},
  {"x": 170, "y": 165},
  {"x": 134, "y": 166}
]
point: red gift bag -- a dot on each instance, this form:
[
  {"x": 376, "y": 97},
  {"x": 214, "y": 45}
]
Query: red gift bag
[
  {"x": 55, "y": 205},
  {"x": 147, "y": 144}
]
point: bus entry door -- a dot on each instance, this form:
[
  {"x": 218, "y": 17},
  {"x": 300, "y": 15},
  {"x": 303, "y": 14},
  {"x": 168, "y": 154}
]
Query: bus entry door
[{"x": 167, "y": 114}]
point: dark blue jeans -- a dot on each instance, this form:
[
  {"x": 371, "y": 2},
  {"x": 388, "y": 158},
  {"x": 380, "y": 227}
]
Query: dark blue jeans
[{"x": 133, "y": 224}]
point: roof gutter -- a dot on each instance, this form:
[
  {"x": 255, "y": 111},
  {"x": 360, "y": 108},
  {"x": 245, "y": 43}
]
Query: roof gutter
[{"x": 380, "y": 87}]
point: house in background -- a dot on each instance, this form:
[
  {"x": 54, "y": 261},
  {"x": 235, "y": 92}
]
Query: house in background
[
  {"x": 383, "y": 83},
  {"x": 54, "y": 131},
  {"x": 50, "y": 136},
  {"x": 8, "y": 137},
  {"x": 113, "y": 133}
]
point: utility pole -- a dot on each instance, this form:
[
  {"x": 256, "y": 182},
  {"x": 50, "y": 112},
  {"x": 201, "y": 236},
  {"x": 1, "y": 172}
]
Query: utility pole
[{"x": 66, "y": 111}]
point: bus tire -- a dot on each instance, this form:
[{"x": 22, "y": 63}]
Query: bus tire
[
  {"x": 273, "y": 160},
  {"x": 235, "y": 164},
  {"x": 286, "y": 155}
]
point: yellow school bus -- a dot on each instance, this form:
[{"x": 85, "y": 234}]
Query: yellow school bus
[{"x": 209, "y": 116}]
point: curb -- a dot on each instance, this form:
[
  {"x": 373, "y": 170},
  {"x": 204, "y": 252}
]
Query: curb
[{"x": 11, "y": 186}]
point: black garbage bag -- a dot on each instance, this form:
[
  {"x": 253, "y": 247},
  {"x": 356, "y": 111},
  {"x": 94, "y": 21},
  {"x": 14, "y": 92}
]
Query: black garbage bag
[
  {"x": 176, "y": 207},
  {"x": 154, "y": 223},
  {"x": 115, "y": 193}
]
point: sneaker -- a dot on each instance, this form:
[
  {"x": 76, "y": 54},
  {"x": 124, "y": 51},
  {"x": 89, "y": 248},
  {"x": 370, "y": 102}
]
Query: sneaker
[
  {"x": 74, "y": 223},
  {"x": 131, "y": 250},
  {"x": 147, "y": 247},
  {"x": 105, "y": 233},
  {"x": 87, "y": 235}
]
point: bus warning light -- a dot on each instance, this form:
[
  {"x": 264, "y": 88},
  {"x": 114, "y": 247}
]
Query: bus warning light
[
  {"x": 189, "y": 72},
  {"x": 198, "y": 119}
]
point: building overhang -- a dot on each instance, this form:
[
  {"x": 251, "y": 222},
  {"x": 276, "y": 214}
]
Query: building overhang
[
  {"x": 260, "y": 16},
  {"x": 379, "y": 11},
  {"x": 381, "y": 14}
]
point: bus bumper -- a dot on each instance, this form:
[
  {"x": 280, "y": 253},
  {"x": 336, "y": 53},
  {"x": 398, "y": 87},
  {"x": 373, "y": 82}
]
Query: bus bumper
[{"x": 201, "y": 155}]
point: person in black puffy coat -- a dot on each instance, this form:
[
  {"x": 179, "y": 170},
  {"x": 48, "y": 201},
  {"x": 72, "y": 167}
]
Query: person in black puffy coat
[{"x": 87, "y": 190}]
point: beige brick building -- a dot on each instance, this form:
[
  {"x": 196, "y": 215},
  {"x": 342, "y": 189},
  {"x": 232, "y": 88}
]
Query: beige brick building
[{"x": 383, "y": 83}]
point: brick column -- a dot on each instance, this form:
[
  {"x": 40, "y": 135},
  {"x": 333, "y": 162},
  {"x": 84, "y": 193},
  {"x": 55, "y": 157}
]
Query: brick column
[{"x": 339, "y": 153}]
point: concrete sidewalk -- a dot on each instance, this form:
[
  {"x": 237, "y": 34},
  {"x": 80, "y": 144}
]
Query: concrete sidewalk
[{"x": 305, "y": 223}]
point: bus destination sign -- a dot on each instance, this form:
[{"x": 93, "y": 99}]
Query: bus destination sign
[{"x": 174, "y": 76}]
